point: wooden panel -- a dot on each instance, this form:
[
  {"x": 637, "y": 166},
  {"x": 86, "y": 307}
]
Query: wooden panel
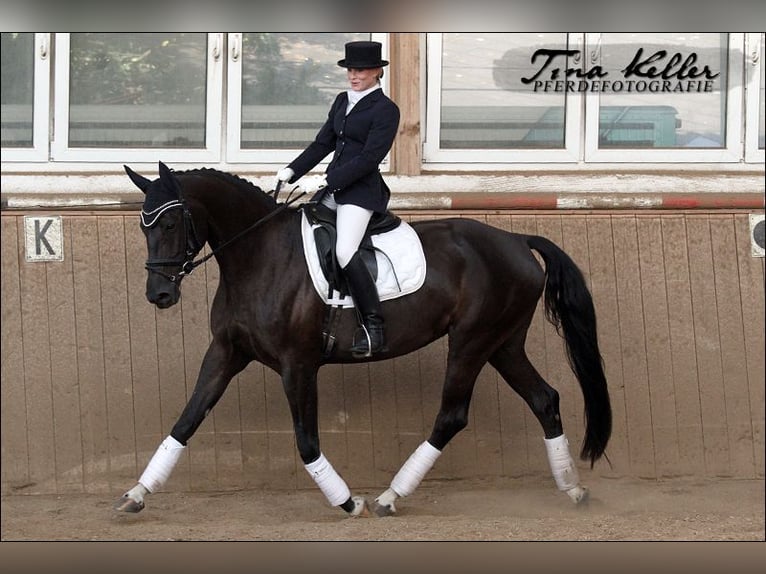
[
  {"x": 639, "y": 416},
  {"x": 65, "y": 386},
  {"x": 385, "y": 444},
  {"x": 708, "y": 346},
  {"x": 90, "y": 354},
  {"x": 15, "y": 452},
  {"x": 658, "y": 357},
  {"x": 116, "y": 334},
  {"x": 253, "y": 421},
  {"x": 37, "y": 375},
  {"x": 739, "y": 428},
  {"x": 603, "y": 276},
  {"x": 358, "y": 409},
  {"x": 751, "y": 288},
  {"x": 691, "y": 457}
]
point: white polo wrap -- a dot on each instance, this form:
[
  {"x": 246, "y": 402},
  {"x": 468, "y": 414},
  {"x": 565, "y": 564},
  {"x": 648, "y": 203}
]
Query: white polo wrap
[
  {"x": 562, "y": 466},
  {"x": 412, "y": 472},
  {"x": 162, "y": 464},
  {"x": 328, "y": 481}
]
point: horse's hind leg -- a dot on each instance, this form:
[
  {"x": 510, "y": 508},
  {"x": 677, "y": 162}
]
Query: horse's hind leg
[
  {"x": 463, "y": 367},
  {"x": 512, "y": 363},
  {"x": 300, "y": 385}
]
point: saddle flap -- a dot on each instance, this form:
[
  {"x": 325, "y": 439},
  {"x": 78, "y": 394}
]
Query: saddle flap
[{"x": 399, "y": 260}]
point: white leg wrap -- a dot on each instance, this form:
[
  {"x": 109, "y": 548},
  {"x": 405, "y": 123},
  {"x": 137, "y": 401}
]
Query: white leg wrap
[
  {"x": 412, "y": 472},
  {"x": 328, "y": 481},
  {"x": 562, "y": 466},
  {"x": 159, "y": 468}
]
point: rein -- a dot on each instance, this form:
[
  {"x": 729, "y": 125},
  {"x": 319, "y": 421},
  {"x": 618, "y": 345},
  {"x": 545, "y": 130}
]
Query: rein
[{"x": 193, "y": 246}]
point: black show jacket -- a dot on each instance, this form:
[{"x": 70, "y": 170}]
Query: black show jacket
[{"x": 360, "y": 141}]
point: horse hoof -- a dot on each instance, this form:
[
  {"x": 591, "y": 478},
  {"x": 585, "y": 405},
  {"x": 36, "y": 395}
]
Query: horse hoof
[
  {"x": 579, "y": 495},
  {"x": 361, "y": 510},
  {"x": 127, "y": 504},
  {"x": 384, "y": 510}
]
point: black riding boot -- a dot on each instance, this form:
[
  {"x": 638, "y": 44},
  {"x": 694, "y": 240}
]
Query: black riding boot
[{"x": 370, "y": 338}]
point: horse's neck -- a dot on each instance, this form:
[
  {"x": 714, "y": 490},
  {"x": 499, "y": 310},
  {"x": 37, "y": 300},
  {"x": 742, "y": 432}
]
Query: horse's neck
[{"x": 234, "y": 213}]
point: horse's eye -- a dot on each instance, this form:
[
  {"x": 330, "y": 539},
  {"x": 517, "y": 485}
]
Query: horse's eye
[{"x": 170, "y": 226}]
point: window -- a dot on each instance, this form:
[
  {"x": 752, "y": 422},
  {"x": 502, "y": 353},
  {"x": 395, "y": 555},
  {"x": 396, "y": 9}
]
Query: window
[
  {"x": 24, "y": 102},
  {"x": 125, "y": 97},
  {"x": 499, "y": 99},
  {"x": 756, "y": 94},
  {"x": 687, "y": 110},
  {"x": 281, "y": 87},
  {"x": 479, "y": 108}
]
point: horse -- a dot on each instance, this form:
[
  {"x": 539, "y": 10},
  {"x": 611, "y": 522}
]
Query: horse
[{"x": 481, "y": 290}]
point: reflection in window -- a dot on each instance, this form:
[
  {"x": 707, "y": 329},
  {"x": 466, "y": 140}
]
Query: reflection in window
[
  {"x": 289, "y": 82},
  {"x": 17, "y": 89},
  {"x": 484, "y": 104},
  {"x": 762, "y": 112},
  {"x": 669, "y": 118},
  {"x": 137, "y": 90}
]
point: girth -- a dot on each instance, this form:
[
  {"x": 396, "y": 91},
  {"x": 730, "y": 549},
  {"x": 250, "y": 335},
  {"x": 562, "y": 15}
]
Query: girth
[{"x": 326, "y": 236}]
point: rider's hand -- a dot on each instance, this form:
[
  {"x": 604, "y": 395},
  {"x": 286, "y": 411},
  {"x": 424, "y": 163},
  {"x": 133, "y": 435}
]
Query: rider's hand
[
  {"x": 283, "y": 175},
  {"x": 313, "y": 183}
]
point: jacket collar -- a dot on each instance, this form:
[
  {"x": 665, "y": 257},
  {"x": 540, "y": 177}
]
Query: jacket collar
[{"x": 366, "y": 101}]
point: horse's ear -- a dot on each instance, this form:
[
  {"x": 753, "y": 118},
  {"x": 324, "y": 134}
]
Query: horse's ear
[
  {"x": 170, "y": 181},
  {"x": 141, "y": 182},
  {"x": 165, "y": 172}
]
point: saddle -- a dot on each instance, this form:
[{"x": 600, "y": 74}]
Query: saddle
[{"x": 326, "y": 235}]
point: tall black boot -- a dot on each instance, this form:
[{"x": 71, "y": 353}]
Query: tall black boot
[{"x": 371, "y": 337}]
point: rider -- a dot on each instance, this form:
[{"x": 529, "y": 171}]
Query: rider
[{"x": 360, "y": 130}]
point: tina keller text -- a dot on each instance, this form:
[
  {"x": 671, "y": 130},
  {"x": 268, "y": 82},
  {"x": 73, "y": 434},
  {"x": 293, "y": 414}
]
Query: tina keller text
[{"x": 653, "y": 73}]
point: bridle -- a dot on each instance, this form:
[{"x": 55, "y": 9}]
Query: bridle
[{"x": 193, "y": 246}]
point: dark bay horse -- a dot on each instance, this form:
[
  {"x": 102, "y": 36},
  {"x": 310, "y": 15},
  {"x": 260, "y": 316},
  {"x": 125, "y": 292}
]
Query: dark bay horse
[{"x": 481, "y": 290}]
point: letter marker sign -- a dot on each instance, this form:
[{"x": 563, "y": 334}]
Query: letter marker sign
[{"x": 43, "y": 238}]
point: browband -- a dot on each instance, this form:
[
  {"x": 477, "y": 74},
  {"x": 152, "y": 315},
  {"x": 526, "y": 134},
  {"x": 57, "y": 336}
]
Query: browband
[{"x": 148, "y": 219}]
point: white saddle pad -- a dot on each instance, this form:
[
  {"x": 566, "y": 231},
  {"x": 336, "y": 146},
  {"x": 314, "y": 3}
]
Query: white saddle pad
[{"x": 401, "y": 245}]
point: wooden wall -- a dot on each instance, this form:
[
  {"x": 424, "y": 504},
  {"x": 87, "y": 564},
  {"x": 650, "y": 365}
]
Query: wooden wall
[{"x": 93, "y": 377}]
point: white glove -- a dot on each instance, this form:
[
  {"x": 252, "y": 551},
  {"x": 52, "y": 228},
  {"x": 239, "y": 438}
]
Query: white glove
[
  {"x": 284, "y": 175},
  {"x": 312, "y": 183}
]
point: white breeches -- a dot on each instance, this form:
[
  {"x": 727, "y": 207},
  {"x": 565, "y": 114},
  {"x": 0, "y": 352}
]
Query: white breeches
[{"x": 351, "y": 225}]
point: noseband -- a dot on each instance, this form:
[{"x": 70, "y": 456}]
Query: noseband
[{"x": 192, "y": 244}]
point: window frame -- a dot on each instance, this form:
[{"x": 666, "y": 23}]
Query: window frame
[
  {"x": 488, "y": 158},
  {"x": 730, "y": 153},
  {"x": 39, "y": 152},
  {"x": 753, "y": 66},
  {"x": 267, "y": 158},
  {"x": 62, "y": 152}
]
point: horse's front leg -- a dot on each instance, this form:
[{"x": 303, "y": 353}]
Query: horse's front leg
[
  {"x": 219, "y": 366},
  {"x": 300, "y": 386}
]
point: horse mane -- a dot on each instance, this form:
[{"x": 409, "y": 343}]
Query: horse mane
[{"x": 239, "y": 182}]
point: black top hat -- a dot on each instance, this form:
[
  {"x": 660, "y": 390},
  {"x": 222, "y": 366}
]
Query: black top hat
[{"x": 363, "y": 55}]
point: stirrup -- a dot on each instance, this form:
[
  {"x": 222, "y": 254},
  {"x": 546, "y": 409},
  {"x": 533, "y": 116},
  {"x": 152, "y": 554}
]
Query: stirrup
[{"x": 362, "y": 348}]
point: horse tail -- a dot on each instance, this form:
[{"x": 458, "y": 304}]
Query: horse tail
[{"x": 569, "y": 307}]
